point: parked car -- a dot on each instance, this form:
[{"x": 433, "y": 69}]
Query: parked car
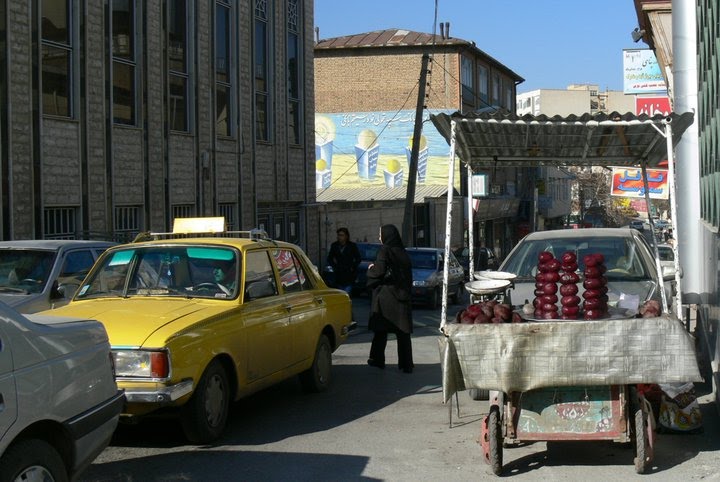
[
  {"x": 628, "y": 258},
  {"x": 36, "y": 275},
  {"x": 59, "y": 403},
  {"x": 196, "y": 323},
  {"x": 485, "y": 259},
  {"x": 638, "y": 224},
  {"x": 428, "y": 265},
  {"x": 368, "y": 253}
]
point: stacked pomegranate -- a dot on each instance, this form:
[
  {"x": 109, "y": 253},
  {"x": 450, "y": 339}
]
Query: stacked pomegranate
[
  {"x": 487, "y": 312},
  {"x": 595, "y": 296},
  {"x": 570, "y": 301},
  {"x": 546, "y": 287}
]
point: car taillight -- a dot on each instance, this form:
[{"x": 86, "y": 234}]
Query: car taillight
[{"x": 159, "y": 366}]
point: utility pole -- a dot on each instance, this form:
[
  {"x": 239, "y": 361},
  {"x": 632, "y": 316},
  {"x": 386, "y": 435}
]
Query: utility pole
[{"x": 407, "y": 227}]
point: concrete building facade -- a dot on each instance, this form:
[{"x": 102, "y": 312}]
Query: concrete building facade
[
  {"x": 118, "y": 116},
  {"x": 374, "y": 75}
]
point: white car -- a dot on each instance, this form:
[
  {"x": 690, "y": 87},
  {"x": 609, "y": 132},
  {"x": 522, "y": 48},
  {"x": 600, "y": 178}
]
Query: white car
[{"x": 59, "y": 403}]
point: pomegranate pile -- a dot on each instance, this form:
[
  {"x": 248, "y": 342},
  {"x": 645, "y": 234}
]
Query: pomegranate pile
[{"x": 488, "y": 312}]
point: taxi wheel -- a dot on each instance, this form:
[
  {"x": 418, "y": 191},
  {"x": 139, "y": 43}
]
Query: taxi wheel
[
  {"x": 317, "y": 377},
  {"x": 204, "y": 416},
  {"x": 32, "y": 459}
]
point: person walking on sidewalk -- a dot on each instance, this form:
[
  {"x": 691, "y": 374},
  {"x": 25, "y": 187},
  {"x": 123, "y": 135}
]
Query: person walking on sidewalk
[
  {"x": 344, "y": 258},
  {"x": 390, "y": 278}
]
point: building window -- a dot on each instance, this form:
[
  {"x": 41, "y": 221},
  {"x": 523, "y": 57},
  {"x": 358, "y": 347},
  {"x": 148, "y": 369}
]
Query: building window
[
  {"x": 124, "y": 62},
  {"x": 466, "y": 78},
  {"x": 127, "y": 222},
  {"x": 508, "y": 94},
  {"x": 227, "y": 210},
  {"x": 183, "y": 211},
  {"x": 262, "y": 70},
  {"x": 483, "y": 85},
  {"x": 496, "y": 99},
  {"x": 57, "y": 57},
  {"x": 60, "y": 223},
  {"x": 294, "y": 59},
  {"x": 224, "y": 40},
  {"x": 178, "y": 74}
]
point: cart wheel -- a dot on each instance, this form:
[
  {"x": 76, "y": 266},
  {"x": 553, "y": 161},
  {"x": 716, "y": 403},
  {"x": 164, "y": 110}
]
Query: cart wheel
[
  {"x": 643, "y": 450},
  {"x": 492, "y": 436}
]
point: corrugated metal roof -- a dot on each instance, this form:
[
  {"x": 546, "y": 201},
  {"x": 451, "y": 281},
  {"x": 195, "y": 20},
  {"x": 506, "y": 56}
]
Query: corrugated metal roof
[
  {"x": 379, "y": 194},
  {"x": 489, "y": 139}
]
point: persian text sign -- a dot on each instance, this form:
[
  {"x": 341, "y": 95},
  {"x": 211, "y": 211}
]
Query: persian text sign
[
  {"x": 628, "y": 182},
  {"x": 653, "y": 105},
  {"x": 641, "y": 72}
]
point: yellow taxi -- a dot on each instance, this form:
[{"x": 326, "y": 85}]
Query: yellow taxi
[{"x": 195, "y": 323}]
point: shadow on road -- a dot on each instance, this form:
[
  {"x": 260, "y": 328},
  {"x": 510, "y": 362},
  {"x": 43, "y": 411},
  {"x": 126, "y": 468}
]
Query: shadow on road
[{"x": 218, "y": 464}]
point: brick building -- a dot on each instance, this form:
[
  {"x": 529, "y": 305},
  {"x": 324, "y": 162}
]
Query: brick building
[
  {"x": 369, "y": 82},
  {"x": 118, "y": 116}
]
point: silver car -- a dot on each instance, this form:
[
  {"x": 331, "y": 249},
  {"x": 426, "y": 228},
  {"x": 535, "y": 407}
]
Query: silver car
[
  {"x": 631, "y": 271},
  {"x": 59, "y": 402},
  {"x": 37, "y": 275}
]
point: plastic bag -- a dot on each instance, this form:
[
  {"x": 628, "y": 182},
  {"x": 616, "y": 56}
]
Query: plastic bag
[{"x": 679, "y": 409}]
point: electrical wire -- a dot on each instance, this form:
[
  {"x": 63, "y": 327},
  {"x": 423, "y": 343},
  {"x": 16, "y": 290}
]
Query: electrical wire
[{"x": 378, "y": 137}]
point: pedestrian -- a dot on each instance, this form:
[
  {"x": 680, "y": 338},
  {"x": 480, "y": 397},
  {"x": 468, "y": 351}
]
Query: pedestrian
[
  {"x": 344, "y": 258},
  {"x": 390, "y": 278}
]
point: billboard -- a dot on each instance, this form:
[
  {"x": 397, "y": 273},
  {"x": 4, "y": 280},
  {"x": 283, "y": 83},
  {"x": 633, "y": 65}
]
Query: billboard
[
  {"x": 372, "y": 149},
  {"x": 653, "y": 105},
  {"x": 628, "y": 182},
  {"x": 641, "y": 72}
]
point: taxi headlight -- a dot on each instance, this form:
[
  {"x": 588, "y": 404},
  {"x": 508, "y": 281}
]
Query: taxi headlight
[{"x": 141, "y": 363}]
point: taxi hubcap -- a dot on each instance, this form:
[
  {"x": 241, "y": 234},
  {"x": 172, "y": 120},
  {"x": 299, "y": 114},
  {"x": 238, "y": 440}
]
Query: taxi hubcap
[{"x": 214, "y": 400}]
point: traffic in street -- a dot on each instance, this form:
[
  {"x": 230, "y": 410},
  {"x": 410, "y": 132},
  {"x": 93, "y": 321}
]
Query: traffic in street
[{"x": 376, "y": 424}]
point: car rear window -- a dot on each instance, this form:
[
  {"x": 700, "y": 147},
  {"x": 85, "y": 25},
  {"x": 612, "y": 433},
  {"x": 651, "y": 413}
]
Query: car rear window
[{"x": 423, "y": 259}]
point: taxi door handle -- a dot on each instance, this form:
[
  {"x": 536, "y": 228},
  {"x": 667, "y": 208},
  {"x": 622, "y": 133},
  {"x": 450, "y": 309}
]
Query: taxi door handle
[
  {"x": 288, "y": 308},
  {"x": 319, "y": 300}
]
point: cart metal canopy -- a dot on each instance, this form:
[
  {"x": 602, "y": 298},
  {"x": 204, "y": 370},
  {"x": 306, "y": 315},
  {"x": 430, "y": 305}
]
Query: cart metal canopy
[{"x": 500, "y": 139}]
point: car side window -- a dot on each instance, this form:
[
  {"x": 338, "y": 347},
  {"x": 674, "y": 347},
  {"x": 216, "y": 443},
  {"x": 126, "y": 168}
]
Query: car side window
[
  {"x": 76, "y": 266},
  {"x": 292, "y": 275},
  {"x": 259, "y": 276}
]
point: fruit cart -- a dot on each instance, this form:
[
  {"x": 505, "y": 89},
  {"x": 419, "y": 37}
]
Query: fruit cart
[{"x": 566, "y": 380}]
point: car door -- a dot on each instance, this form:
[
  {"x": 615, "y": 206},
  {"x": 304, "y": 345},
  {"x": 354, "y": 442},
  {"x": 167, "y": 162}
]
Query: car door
[
  {"x": 8, "y": 395},
  {"x": 305, "y": 306},
  {"x": 266, "y": 318}
]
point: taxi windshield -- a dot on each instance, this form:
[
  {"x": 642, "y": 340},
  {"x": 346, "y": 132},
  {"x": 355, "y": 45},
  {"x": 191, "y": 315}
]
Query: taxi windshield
[{"x": 190, "y": 271}]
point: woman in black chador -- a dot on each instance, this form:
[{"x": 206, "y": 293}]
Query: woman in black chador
[{"x": 390, "y": 278}]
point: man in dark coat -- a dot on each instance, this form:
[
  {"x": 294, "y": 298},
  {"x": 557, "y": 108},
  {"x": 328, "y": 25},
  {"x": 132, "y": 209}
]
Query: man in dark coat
[
  {"x": 344, "y": 258},
  {"x": 390, "y": 277}
]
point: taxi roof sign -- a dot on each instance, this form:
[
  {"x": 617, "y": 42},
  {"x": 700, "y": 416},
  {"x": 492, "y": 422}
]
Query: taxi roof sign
[{"x": 199, "y": 225}]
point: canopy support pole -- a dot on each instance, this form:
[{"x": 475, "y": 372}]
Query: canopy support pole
[
  {"x": 448, "y": 224},
  {"x": 656, "y": 252},
  {"x": 471, "y": 225},
  {"x": 673, "y": 215}
]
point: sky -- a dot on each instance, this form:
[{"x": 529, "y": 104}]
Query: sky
[{"x": 550, "y": 43}]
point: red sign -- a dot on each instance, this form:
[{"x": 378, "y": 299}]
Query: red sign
[
  {"x": 652, "y": 105},
  {"x": 628, "y": 182}
]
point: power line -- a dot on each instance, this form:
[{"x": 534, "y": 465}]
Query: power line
[{"x": 378, "y": 136}]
